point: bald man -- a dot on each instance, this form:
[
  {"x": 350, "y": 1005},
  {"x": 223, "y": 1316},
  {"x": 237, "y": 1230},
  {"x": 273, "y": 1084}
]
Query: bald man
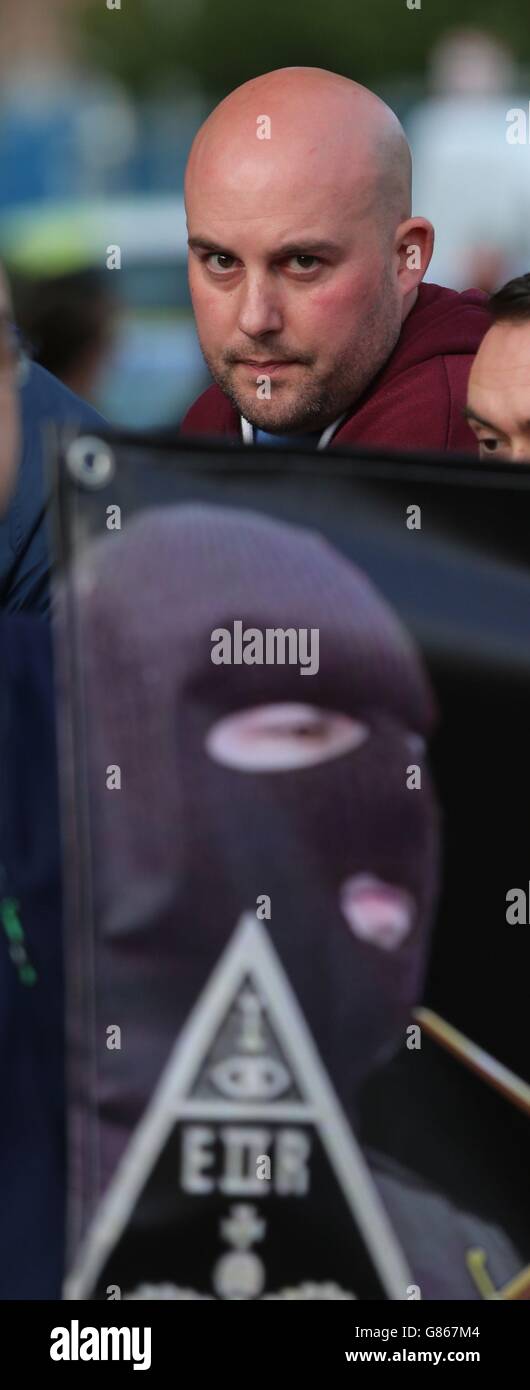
[{"x": 306, "y": 271}]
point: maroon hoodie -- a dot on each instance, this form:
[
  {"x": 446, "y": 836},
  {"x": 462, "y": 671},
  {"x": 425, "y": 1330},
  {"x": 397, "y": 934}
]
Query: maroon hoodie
[{"x": 416, "y": 400}]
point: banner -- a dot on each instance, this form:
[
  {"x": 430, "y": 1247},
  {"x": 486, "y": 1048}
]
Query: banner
[{"x": 293, "y": 696}]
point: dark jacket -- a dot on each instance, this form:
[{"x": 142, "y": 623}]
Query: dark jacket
[
  {"x": 24, "y": 540},
  {"x": 32, "y": 1156}
]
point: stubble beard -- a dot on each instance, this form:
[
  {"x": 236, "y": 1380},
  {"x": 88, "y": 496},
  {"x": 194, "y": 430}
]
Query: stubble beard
[{"x": 318, "y": 398}]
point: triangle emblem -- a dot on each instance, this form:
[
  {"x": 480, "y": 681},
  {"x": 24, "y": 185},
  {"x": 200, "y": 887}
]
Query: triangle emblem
[{"x": 243, "y": 1180}]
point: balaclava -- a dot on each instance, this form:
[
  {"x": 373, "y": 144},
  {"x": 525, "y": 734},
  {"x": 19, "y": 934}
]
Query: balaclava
[{"x": 216, "y": 790}]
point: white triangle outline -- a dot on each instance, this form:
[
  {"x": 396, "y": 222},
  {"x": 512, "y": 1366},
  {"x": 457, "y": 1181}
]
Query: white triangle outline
[{"x": 248, "y": 954}]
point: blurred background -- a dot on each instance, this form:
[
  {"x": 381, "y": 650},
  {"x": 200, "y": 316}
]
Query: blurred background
[{"x": 98, "y": 108}]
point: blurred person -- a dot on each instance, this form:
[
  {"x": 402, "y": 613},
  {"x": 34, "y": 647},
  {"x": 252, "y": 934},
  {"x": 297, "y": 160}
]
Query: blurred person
[
  {"x": 498, "y": 399},
  {"x": 306, "y": 272},
  {"x": 32, "y": 1141},
  {"x": 32, "y": 1157},
  {"x": 9, "y": 414},
  {"x": 468, "y": 178},
  {"x": 40, "y": 400},
  {"x": 68, "y": 321}
]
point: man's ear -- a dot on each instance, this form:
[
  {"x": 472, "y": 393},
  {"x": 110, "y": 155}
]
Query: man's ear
[{"x": 414, "y": 244}]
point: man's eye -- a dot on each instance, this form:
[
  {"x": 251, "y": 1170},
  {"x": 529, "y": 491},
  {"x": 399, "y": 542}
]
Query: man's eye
[
  {"x": 494, "y": 449},
  {"x": 490, "y": 445},
  {"x": 491, "y": 448},
  {"x": 302, "y": 262},
  {"x": 223, "y": 262}
]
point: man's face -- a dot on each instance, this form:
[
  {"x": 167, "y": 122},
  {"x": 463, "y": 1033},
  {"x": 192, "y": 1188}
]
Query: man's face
[
  {"x": 291, "y": 284},
  {"x": 498, "y": 400}
]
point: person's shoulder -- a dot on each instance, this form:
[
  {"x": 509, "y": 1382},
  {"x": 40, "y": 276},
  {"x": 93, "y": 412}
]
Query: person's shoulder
[
  {"x": 24, "y": 553},
  {"x": 211, "y": 413},
  {"x": 451, "y": 307},
  {"x": 44, "y": 397},
  {"x": 441, "y": 323}
]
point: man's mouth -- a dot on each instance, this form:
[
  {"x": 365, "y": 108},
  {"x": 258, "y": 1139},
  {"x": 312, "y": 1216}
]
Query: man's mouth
[
  {"x": 377, "y": 912},
  {"x": 271, "y": 365}
]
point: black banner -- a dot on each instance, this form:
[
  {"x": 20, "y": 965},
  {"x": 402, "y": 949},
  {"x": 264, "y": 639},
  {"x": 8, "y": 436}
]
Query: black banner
[{"x": 294, "y": 696}]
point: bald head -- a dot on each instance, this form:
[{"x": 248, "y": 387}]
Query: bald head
[
  {"x": 323, "y": 128},
  {"x": 298, "y": 196}
]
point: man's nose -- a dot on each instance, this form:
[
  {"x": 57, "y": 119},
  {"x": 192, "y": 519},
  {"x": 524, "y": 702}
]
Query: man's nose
[{"x": 259, "y": 309}]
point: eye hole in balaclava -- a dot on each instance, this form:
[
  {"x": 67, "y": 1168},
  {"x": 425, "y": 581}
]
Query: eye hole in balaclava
[
  {"x": 284, "y": 737},
  {"x": 281, "y": 737}
]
